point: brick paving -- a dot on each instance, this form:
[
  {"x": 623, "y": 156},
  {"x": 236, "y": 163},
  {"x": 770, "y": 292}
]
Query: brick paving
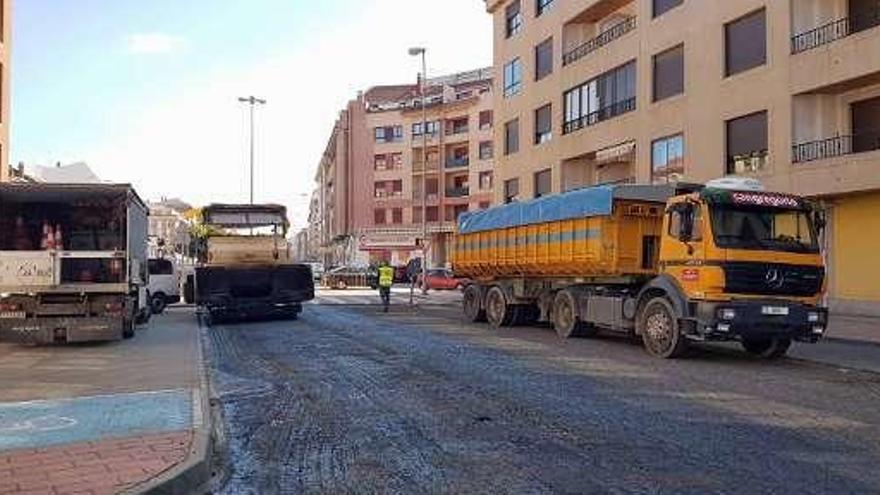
[{"x": 100, "y": 467}]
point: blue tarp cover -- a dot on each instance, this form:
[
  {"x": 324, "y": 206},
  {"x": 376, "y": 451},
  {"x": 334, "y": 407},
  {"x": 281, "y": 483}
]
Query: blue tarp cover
[{"x": 587, "y": 202}]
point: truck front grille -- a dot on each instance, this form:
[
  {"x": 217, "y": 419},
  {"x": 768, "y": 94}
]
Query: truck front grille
[{"x": 772, "y": 279}]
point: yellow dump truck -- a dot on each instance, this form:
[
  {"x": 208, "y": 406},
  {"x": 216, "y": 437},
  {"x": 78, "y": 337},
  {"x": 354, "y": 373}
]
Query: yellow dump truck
[
  {"x": 245, "y": 269},
  {"x": 672, "y": 264}
]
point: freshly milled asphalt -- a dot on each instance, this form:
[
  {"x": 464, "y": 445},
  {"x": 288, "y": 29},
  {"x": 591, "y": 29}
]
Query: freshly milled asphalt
[{"x": 347, "y": 400}]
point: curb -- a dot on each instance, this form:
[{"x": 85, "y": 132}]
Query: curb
[
  {"x": 194, "y": 472},
  {"x": 844, "y": 340}
]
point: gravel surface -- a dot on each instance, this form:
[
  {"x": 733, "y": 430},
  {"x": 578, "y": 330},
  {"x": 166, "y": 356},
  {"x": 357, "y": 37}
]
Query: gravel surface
[{"x": 347, "y": 400}]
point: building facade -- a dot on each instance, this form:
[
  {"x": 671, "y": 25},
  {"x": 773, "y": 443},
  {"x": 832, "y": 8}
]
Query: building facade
[
  {"x": 382, "y": 173},
  {"x": 788, "y": 91},
  {"x": 169, "y": 232},
  {"x": 5, "y": 58}
]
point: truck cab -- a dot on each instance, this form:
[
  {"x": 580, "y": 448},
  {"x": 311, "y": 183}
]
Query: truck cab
[{"x": 741, "y": 263}]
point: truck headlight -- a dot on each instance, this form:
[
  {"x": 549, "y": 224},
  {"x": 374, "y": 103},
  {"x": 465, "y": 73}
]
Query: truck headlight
[
  {"x": 727, "y": 314},
  {"x": 813, "y": 317}
]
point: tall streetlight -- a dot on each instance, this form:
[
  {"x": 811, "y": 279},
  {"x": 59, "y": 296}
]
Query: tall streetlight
[
  {"x": 415, "y": 52},
  {"x": 252, "y": 101}
]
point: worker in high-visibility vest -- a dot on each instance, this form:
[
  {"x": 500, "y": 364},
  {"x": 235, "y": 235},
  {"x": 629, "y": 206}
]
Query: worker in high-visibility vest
[{"x": 386, "y": 280}]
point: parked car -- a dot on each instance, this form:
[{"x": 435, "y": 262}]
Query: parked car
[
  {"x": 164, "y": 284},
  {"x": 443, "y": 279}
]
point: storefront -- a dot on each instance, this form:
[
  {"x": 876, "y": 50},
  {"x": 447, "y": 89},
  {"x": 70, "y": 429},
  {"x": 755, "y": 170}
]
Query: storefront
[{"x": 854, "y": 254}]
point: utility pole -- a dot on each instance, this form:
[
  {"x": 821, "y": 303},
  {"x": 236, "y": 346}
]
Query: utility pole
[
  {"x": 252, "y": 101},
  {"x": 415, "y": 52}
]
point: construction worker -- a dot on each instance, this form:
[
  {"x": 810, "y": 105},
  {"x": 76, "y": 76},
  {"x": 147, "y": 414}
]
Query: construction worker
[{"x": 386, "y": 280}]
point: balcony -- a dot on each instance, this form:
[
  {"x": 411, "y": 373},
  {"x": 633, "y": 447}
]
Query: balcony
[
  {"x": 419, "y": 166},
  {"x": 836, "y": 146},
  {"x": 604, "y": 38},
  {"x": 601, "y": 115},
  {"x": 458, "y": 192},
  {"x": 836, "y": 30},
  {"x": 460, "y": 162}
]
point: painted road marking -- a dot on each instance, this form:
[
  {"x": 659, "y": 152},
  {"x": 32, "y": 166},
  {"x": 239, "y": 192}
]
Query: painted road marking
[{"x": 43, "y": 423}]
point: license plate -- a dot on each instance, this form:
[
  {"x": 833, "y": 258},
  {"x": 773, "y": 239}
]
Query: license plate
[
  {"x": 775, "y": 310},
  {"x": 12, "y": 315}
]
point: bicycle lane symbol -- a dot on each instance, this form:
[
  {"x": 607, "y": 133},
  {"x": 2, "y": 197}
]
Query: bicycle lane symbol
[{"x": 37, "y": 424}]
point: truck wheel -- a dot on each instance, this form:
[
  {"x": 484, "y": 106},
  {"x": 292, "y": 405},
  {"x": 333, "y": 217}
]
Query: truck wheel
[
  {"x": 772, "y": 348},
  {"x": 660, "y": 330},
  {"x": 498, "y": 312},
  {"x": 565, "y": 318},
  {"x": 472, "y": 303},
  {"x": 158, "y": 303}
]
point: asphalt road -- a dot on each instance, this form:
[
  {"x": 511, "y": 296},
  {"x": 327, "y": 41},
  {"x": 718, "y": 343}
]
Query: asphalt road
[{"x": 348, "y": 400}]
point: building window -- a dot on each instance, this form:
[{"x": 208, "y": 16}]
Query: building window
[
  {"x": 663, "y": 6},
  {"x": 485, "y": 120},
  {"x": 513, "y": 18},
  {"x": 417, "y": 214},
  {"x": 457, "y": 126},
  {"x": 388, "y": 189},
  {"x": 380, "y": 163},
  {"x": 607, "y": 96},
  {"x": 747, "y": 143},
  {"x": 512, "y": 78},
  {"x": 397, "y": 216},
  {"x": 379, "y": 216},
  {"x": 485, "y": 150},
  {"x": 511, "y": 191},
  {"x": 432, "y": 213},
  {"x": 669, "y": 73},
  {"x": 396, "y": 160},
  {"x": 511, "y": 137},
  {"x": 433, "y": 128},
  {"x": 543, "y": 124},
  {"x": 388, "y": 134},
  {"x": 543, "y": 183},
  {"x": 667, "y": 159},
  {"x": 486, "y": 181},
  {"x": 865, "y": 125},
  {"x": 542, "y": 6},
  {"x": 544, "y": 59},
  {"x": 745, "y": 43}
]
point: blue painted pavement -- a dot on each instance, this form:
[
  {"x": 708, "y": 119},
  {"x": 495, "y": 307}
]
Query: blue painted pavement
[{"x": 53, "y": 422}]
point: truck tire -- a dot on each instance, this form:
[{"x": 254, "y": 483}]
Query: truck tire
[
  {"x": 772, "y": 348},
  {"x": 158, "y": 303},
  {"x": 660, "y": 329},
  {"x": 472, "y": 303},
  {"x": 127, "y": 329},
  {"x": 498, "y": 312},
  {"x": 565, "y": 318}
]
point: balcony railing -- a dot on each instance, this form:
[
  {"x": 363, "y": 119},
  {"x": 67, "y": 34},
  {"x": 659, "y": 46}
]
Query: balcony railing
[
  {"x": 822, "y": 35},
  {"x": 457, "y": 192},
  {"x": 604, "y": 38},
  {"x": 600, "y": 115},
  {"x": 457, "y": 162},
  {"x": 460, "y": 129},
  {"x": 836, "y": 146},
  {"x": 835, "y": 30},
  {"x": 419, "y": 166}
]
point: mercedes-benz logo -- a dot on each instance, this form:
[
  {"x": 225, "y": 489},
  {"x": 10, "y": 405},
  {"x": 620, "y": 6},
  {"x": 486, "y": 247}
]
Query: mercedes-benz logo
[{"x": 774, "y": 278}]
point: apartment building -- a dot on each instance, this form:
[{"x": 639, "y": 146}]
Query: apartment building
[
  {"x": 788, "y": 91},
  {"x": 5, "y": 58},
  {"x": 384, "y": 171}
]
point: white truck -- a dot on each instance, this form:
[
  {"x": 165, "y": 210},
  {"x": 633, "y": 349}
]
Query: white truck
[{"x": 73, "y": 262}]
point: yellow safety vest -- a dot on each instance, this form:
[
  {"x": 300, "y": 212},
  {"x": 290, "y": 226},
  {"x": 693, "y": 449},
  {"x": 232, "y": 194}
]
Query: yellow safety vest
[{"x": 386, "y": 276}]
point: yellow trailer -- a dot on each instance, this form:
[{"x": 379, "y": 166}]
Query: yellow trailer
[{"x": 672, "y": 263}]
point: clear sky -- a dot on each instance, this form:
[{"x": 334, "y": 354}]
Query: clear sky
[{"x": 145, "y": 91}]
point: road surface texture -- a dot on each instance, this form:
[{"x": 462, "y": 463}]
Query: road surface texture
[{"x": 348, "y": 400}]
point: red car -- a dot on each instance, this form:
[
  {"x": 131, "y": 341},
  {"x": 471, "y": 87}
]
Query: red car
[{"x": 441, "y": 279}]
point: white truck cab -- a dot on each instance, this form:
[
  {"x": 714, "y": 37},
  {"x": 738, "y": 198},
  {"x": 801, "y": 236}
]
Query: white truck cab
[{"x": 164, "y": 285}]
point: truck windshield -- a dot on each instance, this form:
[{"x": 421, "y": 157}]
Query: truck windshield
[{"x": 746, "y": 227}]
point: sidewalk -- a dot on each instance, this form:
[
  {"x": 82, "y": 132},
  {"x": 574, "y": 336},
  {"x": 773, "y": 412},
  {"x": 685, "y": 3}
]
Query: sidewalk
[
  {"x": 854, "y": 328},
  {"x": 127, "y": 416}
]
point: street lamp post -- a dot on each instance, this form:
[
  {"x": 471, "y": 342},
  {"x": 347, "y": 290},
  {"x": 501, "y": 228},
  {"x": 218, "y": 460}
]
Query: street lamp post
[
  {"x": 252, "y": 101},
  {"x": 415, "y": 52}
]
